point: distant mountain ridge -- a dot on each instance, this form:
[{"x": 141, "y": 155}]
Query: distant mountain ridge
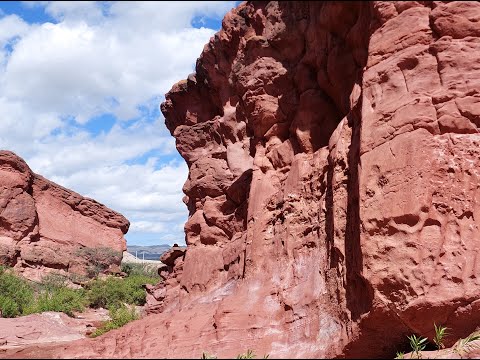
[{"x": 152, "y": 252}]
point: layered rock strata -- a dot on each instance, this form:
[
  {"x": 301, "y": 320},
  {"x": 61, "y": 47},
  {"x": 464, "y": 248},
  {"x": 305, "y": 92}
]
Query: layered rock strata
[
  {"x": 333, "y": 190},
  {"x": 45, "y": 227}
]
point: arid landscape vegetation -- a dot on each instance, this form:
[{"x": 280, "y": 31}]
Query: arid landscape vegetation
[{"x": 333, "y": 196}]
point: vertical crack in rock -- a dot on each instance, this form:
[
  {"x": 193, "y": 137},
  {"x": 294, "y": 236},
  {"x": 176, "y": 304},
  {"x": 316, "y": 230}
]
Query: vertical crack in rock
[
  {"x": 285, "y": 76},
  {"x": 359, "y": 292}
]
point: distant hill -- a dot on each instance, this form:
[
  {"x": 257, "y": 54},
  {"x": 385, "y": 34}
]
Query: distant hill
[{"x": 152, "y": 252}]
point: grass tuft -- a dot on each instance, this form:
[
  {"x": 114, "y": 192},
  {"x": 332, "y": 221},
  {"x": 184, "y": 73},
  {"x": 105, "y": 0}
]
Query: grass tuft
[
  {"x": 465, "y": 344},
  {"x": 119, "y": 317},
  {"x": 440, "y": 334},
  {"x": 417, "y": 344}
]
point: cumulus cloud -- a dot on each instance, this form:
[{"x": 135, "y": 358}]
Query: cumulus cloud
[
  {"x": 11, "y": 26},
  {"x": 58, "y": 78},
  {"x": 150, "y": 195},
  {"x": 84, "y": 70}
]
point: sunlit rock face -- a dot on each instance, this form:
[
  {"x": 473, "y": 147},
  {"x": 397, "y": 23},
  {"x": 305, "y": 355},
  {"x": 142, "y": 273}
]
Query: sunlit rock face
[
  {"x": 334, "y": 160},
  {"x": 46, "y": 228}
]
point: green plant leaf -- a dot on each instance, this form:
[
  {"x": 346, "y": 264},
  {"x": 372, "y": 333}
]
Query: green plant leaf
[
  {"x": 465, "y": 344},
  {"x": 440, "y": 334},
  {"x": 417, "y": 344}
]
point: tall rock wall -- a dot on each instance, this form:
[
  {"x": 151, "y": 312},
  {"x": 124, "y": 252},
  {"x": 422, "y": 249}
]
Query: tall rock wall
[
  {"x": 45, "y": 227},
  {"x": 333, "y": 190},
  {"x": 266, "y": 126},
  {"x": 420, "y": 166}
]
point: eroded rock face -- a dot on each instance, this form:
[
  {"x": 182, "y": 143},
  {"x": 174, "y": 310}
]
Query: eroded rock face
[
  {"x": 333, "y": 190},
  {"x": 45, "y": 227}
]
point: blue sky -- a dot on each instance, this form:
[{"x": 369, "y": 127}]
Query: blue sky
[{"x": 80, "y": 88}]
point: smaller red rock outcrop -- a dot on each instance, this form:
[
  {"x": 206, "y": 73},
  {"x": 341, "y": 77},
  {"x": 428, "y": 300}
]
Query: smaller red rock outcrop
[
  {"x": 46, "y": 227},
  {"x": 169, "y": 272}
]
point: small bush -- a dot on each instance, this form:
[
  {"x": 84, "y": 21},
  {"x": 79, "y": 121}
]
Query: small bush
[
  {"x": 54, "y": 281},
  {"x": 61, "y": 299},
  {"x": 20, "y": 297},
  {"x": 113, "y": 292},
  {"x": 99, "y": 259},
  {"x": 148, "y": 270},
  {"x": 52, "y": 294},
  {"x": 126, "y": 268},
  {"x": 119, "y": 317},
  {"x": 16, "y": 294}
]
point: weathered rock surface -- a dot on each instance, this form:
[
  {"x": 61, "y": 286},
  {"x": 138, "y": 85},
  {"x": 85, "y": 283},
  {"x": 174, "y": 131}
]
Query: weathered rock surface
[
  {"x": 172, "y": 260},
  {"x": 48, "y": 327},
  {"x": 333, "y": 191},
  {"x": 45, "y": 227}
]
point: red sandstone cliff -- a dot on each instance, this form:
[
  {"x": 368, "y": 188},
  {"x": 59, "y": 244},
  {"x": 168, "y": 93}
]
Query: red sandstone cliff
[
  {"x": 333, "y": 189},
  {"x": 45, "y": 227}
]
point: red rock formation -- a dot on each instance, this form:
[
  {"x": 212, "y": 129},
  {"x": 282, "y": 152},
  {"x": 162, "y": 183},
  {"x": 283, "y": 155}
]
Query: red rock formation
[
  {"x": 333, "y": 192},
  {"x": 44, "y": 226}
]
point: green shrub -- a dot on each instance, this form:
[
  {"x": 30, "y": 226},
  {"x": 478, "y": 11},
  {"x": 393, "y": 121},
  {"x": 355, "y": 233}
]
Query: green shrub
[
  {"x": 113, "y": 292},
  {"x": 127, "y": 268},
  {"x": 119, "y": 317},
  {"x": 148, "y": 270},
  {"x": 54, "y": 281},
  {"x": 52, "y": 294},
  {"x": 134, "y": 285},
  {"x": 60, "y": 299},
  {"x": 20, "y": 297},
  {"x": 9, "y": 307},
  {"x": 16, "y": 294},
  {"x": 99, "y": 259}
]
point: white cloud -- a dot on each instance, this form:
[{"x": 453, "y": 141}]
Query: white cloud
[
  {"x": 103, "y": 57},
  {"x": 78, "y": 69},
  {"x": 11, "y": 26},
  {"x": 147, "y": 226},
  {"x": 151, "y": 198},
  {"x": 138, "y": 187},
  {"x": 79, "y": 65},
  {"x": 64, "y": 154},
  {"x": 90, "y": 11}
]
